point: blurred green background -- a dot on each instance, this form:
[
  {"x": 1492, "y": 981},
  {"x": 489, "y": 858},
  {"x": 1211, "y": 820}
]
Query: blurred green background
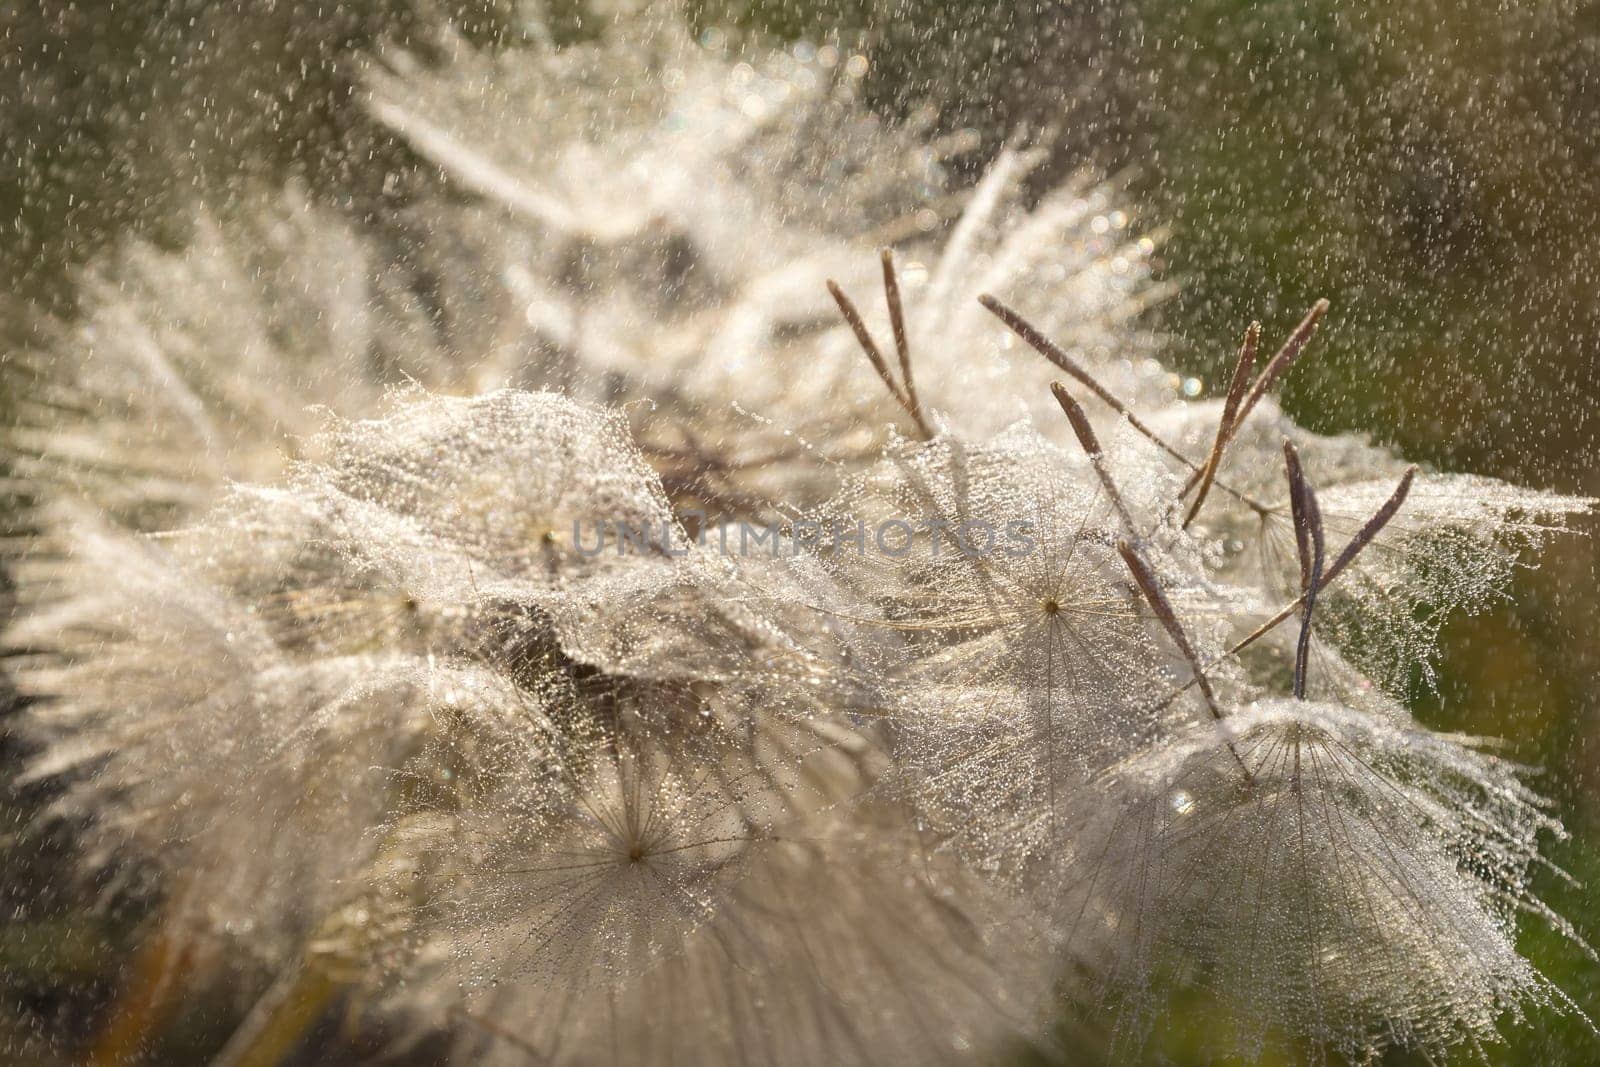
[{"x": 1431, "y": 166}]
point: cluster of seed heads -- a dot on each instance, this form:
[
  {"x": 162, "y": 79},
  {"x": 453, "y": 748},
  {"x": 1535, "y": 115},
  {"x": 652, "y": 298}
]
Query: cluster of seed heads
[{"x": 323, "y": 678}]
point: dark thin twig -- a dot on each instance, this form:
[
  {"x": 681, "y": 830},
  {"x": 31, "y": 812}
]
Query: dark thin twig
[
  {"x": 1360, "y": 541},
  {"x": 1055, "y": 354},
  {"x": 847, "y": 308},
  {"x": 1280, "y": 363},
  {"x": 897, "y": 322},
  {"x": 905, "y": 397},
  {"x": 1372, "y": 526},
  {"x": 1091, "y": 448},
  {"x": 1145, "y": 578},
  {"x": 1309, "y": 541},
  {"x": 1276, "y": 367},
  {"x": 1229, "y": 421}
]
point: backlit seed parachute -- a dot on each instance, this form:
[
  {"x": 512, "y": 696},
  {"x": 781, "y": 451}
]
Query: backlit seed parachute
[
  {"x": 582, "y": 878},
  {"x": 523, "y": 512},
  {"x": 498, "y": 494},
  {"x": 542, "y": 131},
  {"x": 377, "y": 555},
  {"x": 703, "y": 884},
  {"x": 1014, "y": 659},
  {"x": 831, "y": 947},
  {"x": 1347, "y": 879},
  {"x": 180, "y": 726},
  {"x": 1334, "y": 876}
]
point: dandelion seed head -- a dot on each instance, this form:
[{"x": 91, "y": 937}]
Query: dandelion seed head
[{"x": 333, "y": 557}]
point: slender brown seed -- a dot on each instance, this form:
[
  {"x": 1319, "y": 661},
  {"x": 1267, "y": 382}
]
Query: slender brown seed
[
  {"x": 906, "y": 397},
  {"x": 1364, "y": 537},
  {"x": 1298, "y": 510},
  {"x": 1373, "y": 526},
  {"x": 847, "y": 308},
  {"x": 1053, "y": 352},
  {"x": 1279, "y": 364},
  {"x": 1091, "y": 447},
  {"x": 1309, "y": 541},
  {"x": 1144, "y": 575},
  {"x": 1145, "y": 578},
  {"x": 1227, "y": 424},
  {"x": 897, "y": 322}
]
